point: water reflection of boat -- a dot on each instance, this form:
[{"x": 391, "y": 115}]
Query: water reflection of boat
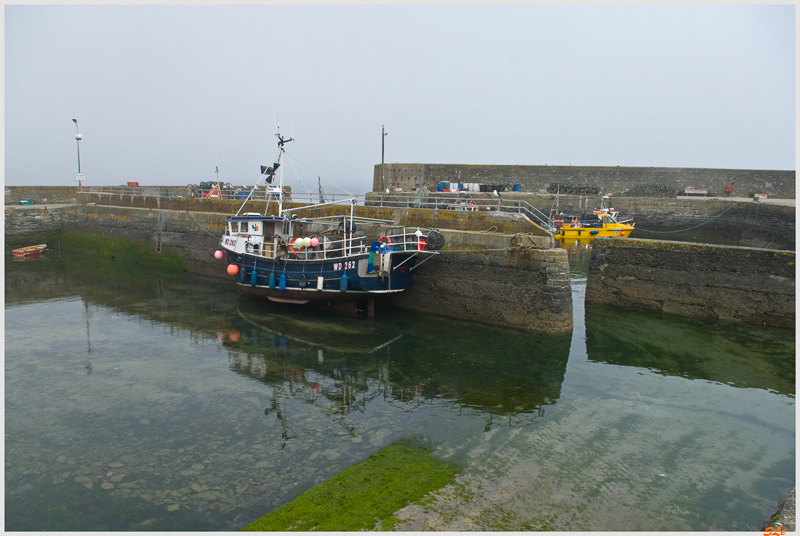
[
  {"x": 515, "y": 378},
  {"x": 313, "y": 333},
  {"x": 324, "y": 260}
]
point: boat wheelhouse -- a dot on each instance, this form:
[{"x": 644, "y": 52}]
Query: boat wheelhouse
[{"x": 329, "y": 260}]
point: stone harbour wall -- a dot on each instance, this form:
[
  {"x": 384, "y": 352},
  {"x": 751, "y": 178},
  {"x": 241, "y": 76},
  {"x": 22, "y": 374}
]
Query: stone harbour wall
[
  {"x": 724, "y": 221},
  {"x": 498, "y": 279},
  {"x": 13, "y": 195},
  {"x": 609, "y": 179},
  {"x": 521, "y": 287},
  {"x": 751, "y": 285}
]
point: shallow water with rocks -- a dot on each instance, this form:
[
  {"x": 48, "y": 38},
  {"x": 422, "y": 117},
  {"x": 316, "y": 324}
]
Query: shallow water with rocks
[{"x": 157, "y": 400}]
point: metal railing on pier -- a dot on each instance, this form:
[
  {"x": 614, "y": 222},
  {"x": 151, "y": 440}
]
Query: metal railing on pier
[
  {"x": 454, "y": 201},
  {"x": 419, "y": 199}
]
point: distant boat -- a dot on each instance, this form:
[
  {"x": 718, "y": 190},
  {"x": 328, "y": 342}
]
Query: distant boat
[
  {"x": 607, "y": 224},
  {"x": 325, "y": 260},
  {"x": 29, "y": 251}
]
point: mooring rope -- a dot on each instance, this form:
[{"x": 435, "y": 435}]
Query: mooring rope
[
  {"x": 690, "y": 228},
  {"x": 201, "y": 226}
]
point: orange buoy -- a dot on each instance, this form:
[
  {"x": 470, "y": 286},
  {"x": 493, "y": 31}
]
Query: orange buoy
[{"x": 233, "y": 269}]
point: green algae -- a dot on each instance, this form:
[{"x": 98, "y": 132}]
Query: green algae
[
  {"x": 119, "y": 249},
  {"x": 363, "y": 496}
]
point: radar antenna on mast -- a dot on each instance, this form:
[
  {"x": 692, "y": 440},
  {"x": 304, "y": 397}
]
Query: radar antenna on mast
[{"x": 281, "y": 140}]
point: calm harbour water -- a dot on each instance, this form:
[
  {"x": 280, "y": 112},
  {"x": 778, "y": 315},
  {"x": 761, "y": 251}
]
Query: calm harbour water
[{"x": 144, "y": 400}]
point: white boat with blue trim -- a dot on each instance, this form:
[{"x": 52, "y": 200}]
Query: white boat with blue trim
[{"x": 327, "y": 260}]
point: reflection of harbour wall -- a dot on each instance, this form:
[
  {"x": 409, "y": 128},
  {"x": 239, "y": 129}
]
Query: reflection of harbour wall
[
  {"x": 750, "y": 285},
  {"x": 478, "y": 278},
  {"x": 690, "y": 349}
]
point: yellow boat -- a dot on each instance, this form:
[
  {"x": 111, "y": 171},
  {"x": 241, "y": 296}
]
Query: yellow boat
[{"x": 606, "y": 225}]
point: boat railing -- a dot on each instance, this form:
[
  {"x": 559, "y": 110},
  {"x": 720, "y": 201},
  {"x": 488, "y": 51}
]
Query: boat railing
[
  {"x": 331, "y": 245},
  {"x": 407, "y": 238}
]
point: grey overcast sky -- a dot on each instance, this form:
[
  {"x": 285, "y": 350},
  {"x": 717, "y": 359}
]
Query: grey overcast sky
[{"x": 164, "y": 94}]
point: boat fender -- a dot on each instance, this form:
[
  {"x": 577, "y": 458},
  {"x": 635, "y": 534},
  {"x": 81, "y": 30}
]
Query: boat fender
[
  {"x": 242, "y": 275},
  {"x": 343, "y": 283},
  {"x": 233, "y": 269},
  {"x": 370, "y": 264},
  {"x": 282, "y": 283},
  {"x": 320, "y": 281},
  {"x": 593, "y": 232},
  {"x": 272, "y": 281},
  {"x": 254, "y": 278},
  {"x": 303, "y": 280}
]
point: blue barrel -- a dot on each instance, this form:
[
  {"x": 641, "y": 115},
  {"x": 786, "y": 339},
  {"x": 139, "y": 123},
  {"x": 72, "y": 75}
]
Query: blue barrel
[{"x": 516, "y": 187}]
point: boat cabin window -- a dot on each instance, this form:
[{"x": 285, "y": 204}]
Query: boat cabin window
[{"x": 611, "y": 219}]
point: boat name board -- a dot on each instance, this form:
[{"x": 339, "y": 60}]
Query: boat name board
[{"x": 344, "y": 265}]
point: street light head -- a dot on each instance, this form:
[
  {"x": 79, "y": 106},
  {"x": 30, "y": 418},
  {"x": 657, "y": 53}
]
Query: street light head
[
  {"x": 78, "y": 137},
  {"x": 75, "y": 121}
]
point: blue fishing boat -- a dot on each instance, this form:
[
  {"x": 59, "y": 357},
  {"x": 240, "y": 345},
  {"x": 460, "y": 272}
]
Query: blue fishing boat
[{"x": 328, "y": 260}]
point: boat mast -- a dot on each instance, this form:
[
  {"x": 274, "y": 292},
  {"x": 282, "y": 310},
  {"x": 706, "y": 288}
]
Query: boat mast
[{"x": 281, "y": 143}]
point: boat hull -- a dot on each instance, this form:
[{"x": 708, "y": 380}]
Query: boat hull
[
  {"x": 324, "y": 281},
  {"x": 590, "y": 233},
  {"x": 29, "y": 251}
]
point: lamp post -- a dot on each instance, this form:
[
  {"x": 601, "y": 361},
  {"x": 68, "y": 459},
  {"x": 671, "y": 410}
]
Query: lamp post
[
  {"x": 78, "y": 137},
  {"x": 383, "y": 135}
]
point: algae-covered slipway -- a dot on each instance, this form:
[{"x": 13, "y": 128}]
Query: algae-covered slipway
[{"x": 365, "y": 496}]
